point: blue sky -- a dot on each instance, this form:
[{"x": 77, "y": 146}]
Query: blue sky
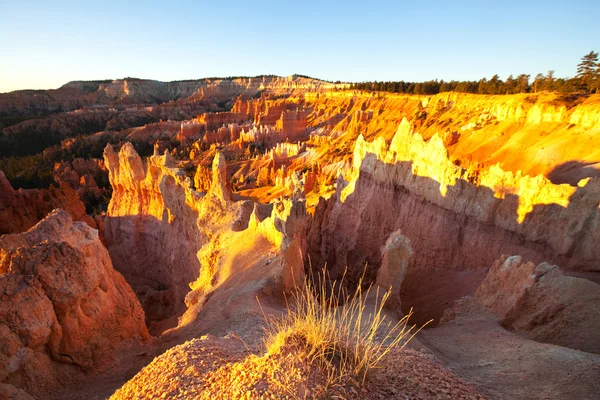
[{"x": 46, "y": 44}]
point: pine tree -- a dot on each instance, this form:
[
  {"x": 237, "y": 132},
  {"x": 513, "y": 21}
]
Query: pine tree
[
  {"x": 495, "y": 85},
  {"x": 538, "y": 81},
  {"x": 482, "y": 86},
  {"x": 549, "y": 81},
  {"x": 523, "y": 83},
  {"x": 587, "y": 70},
  {"x": 510, "y": 85}
]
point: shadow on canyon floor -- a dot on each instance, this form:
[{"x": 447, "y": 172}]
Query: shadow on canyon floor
[
  {"x": 571, "y": 172},
  {"x": 157, "y": 265}
]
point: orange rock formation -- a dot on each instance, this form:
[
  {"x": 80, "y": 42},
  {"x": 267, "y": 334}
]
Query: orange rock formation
[
  {"x": 421, "y": 194},
  {"x": 164, "y": 236},
  {"x": 64, "y": 308},
  {"x": 22, "y": 209}
]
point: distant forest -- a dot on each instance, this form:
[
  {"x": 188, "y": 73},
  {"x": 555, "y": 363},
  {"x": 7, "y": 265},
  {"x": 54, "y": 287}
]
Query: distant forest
[{"x": 586, "y": 80}]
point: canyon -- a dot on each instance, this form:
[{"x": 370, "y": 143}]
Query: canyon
[{"x": 179, "y": 238}]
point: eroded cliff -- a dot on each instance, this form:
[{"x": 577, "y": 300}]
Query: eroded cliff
[
  {"x": 456, "y": 219},
  {"x": 166, "y": 237}
]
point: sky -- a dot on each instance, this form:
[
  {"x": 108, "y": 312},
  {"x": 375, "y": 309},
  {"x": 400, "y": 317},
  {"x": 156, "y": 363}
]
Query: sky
[{"x": 44, "y": 44}]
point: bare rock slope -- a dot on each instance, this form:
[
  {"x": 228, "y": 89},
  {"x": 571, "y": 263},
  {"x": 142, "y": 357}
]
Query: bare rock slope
[
  {"x": 542, "y": 303},
  {"x": 64, "y": 309}
]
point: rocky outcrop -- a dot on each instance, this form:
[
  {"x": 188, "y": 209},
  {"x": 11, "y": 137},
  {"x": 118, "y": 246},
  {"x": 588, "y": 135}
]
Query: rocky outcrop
[
  {"x": 22, "y": 209},
  {"x": 543, "y": 304},
  {"x": 395, "y": 258},
  {"x": 155, "y": 225},
  {"x": 166, "y": 237},
  {"x": 64, "y": 308},
  {"x": 219, "y": 187}
]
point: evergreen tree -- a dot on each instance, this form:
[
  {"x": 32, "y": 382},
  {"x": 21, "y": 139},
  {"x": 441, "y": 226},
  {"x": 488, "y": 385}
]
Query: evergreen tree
[
  {"x": 587, "y": 70},
  {"x": 538, "y": 82},
  {"x": 495, "y": 85},
  {"x": 549, "y": 81},
  {"x": 522, "y": 83},
  {"x": 510, "y": 85},
  {"x": 482, "y": 87},
  {"x": 445, "y": 87}
]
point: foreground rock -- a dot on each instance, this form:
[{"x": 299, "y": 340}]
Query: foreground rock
[
  {"x": 64, "y": 310},
  {"x": 209, "y": 368},
  {"x": 543, "y": 304}
]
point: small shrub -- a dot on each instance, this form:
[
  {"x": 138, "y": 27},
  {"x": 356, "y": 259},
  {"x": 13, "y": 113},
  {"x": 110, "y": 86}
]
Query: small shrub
[{"x": 347, "y": 335}]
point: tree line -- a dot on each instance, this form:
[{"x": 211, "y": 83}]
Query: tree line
[{"x": 586, "y": 80}]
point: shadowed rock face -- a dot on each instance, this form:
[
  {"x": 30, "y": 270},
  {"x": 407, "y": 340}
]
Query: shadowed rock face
[
  {"x": 64, "y": 308},
  {"x": 543, "y": 304},
  {"x": 21, "y": 209},
  {"x": 456, "y": 219}
]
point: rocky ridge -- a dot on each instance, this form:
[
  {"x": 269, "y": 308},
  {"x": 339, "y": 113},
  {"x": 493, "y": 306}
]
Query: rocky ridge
[
  {"x": 22, "y": 209},
  {"x": 65, "y": 311},
  {"x": 76, "y": 94},
  {"x": 166, "y": 237}
]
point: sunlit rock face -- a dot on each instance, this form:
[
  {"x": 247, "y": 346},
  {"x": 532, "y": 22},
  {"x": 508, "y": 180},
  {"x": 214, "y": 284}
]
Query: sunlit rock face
[
  {"x": 167, "y": 238},
  {"x": 64, "y": 309},
  {"x": 455, "y": 218},
  {"x": 535, "y": 133},
  {"x": 263, "y": 262},
  {"x": 156, "y": 223},
  {"x": 22, "y": 209}
]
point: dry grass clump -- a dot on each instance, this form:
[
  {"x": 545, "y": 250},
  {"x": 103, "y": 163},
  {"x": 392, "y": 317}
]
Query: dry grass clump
[{"x": 347, "y": 335}]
